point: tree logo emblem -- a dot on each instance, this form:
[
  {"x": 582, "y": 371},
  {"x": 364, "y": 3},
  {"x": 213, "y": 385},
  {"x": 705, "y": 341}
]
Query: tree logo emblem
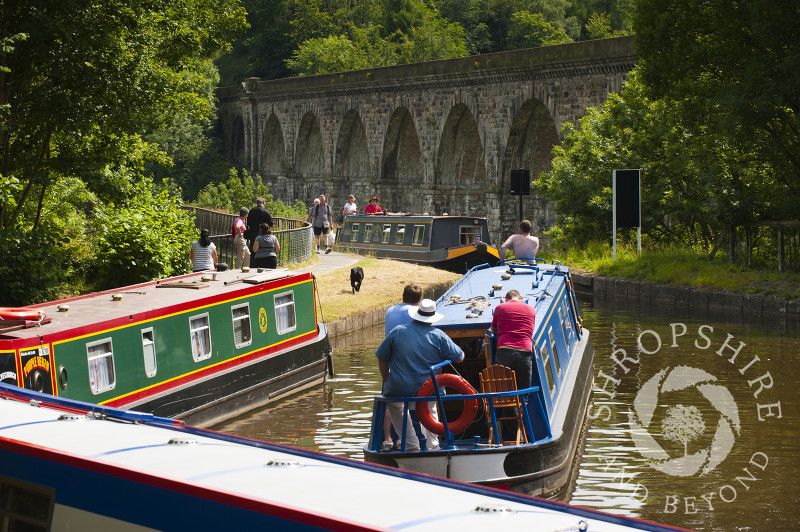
[{"x": 683, "y": 446}]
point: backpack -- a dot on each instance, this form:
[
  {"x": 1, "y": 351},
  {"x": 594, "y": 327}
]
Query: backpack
[{"x": 327, "y": 208}]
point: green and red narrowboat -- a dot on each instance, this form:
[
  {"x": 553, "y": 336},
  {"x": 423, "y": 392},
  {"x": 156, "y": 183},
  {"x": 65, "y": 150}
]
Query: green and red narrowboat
[{"x": 201, "y": 347}]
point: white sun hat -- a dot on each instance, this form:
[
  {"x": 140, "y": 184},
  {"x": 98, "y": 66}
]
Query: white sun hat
[{"x": 425, "y": 312}]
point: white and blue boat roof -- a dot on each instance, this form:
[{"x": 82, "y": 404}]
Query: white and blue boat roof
[{"x": 99, "y": 460}]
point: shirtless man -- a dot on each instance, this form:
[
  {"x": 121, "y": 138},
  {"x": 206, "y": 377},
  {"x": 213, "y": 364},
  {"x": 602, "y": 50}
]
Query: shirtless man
[{"x": 523, "y": 244}]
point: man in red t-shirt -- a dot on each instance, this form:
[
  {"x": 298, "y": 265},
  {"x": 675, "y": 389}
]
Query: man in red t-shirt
[
  {"x": 373, "y": 207},
  {"x": 513, "y": 323}
]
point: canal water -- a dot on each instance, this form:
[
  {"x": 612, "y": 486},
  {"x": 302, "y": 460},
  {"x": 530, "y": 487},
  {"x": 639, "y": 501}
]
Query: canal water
[{"x": 695, "y": 421}]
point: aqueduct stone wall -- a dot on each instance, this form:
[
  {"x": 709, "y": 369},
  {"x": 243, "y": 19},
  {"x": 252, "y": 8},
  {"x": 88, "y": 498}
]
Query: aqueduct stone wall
[{"x": 436, "y": 137}]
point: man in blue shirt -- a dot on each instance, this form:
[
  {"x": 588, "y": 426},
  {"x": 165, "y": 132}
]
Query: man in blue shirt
[
  {"x": 398, "y": 314},
  {"x": 404, "y": 359}
]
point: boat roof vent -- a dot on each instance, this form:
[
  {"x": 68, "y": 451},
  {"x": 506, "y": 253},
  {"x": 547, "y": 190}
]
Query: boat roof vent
[
  {"x": 283, "y": 463},
  {"x": 488, "y": 508},
  {"x": 72, "y": 417},
  {"x": 182, "y": 441}
]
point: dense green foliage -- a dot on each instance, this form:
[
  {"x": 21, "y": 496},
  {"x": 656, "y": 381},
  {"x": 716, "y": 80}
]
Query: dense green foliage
[
  {"x": 316, "y": 36},
  {"x": 93, "y": 98},
  {"x": 146, "y": 237},
  {"x": 710, "y": 116},
  {"x": 694, "y": 184},
  {"x": 242, "y": 191}
]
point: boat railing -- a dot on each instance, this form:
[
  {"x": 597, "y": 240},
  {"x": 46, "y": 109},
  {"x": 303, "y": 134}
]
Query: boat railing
[{"x": 534, "y": 418}]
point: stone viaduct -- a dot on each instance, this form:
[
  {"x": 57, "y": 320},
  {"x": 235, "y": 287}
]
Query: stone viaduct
[{"x": 436, "y": 137}]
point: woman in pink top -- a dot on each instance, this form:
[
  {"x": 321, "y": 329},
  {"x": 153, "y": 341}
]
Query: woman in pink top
[{"x": 513, "y": 323}]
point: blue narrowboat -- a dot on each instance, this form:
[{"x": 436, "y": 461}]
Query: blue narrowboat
[{"x": 550, "y": 415}]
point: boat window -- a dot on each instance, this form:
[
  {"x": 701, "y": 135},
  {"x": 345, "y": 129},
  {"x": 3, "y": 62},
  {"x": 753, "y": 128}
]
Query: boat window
[
  {"x": 241, "y": 325},
  {"x": 387, "y": 230},
  {"x": 100, "y": 355},
  {"x": 400, "y": 237},
  {"x": 367, "y": 232},
  {"x": 200, "y": 336},
  {"x": 25, "y": 506},
  {"x": 354, "y": 233},
  {"x": 285, "y": 320},
  {"x": 568, "y": 322},
  {"x": 469, "y": 234},
  {"x": 561, "y": 314},
  {"x": 149, "y": 351},
  {"x": 555, "y": 353},
  {"x": 548, "y": 373},
  {"x": 419, "y": 235}
]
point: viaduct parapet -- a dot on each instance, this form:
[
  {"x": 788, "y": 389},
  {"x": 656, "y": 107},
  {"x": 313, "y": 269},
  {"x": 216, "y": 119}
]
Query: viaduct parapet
[{"x": 436, "y": 137}]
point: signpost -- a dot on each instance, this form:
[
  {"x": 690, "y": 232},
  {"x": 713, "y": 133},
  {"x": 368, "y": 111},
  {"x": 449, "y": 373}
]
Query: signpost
[
  {"x": 627, "y": 201},
  {"x": 520, "y": 185}
]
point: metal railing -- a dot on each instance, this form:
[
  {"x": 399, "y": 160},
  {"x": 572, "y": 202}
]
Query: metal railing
[{"x": 295, "y": 237}]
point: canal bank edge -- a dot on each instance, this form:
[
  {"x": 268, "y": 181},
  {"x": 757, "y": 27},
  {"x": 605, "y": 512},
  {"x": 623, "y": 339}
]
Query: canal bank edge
[
  {"x": 376, "y": 316},
  {"x": 689, "y": 299}
]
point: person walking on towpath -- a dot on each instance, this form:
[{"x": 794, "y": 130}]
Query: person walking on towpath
[
  {"x": 404, "y": 360},
  {"x": 266, "y": 248},
  {"x": 239, "y": 242},
  {"x": 523, "y": 244},
  {"x": 321, "y": 222},
  {"x": 257, "y": 216}
]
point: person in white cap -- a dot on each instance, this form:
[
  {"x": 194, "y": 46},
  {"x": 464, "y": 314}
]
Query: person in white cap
[{"x": 404, "y": 359}]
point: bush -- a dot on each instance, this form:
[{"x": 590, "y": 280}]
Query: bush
[
  {"x": 146, "y": 239},
  {"x": 35, "y": 266}
]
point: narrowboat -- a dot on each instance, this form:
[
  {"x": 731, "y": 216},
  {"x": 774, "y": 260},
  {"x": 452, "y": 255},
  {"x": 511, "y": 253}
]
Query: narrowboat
[
  {"x": 69, "y": 465},
  {"x": 535, "y": 453},
  {"x": 455, "y": 243},
  {"x": 199, "y": 347}
]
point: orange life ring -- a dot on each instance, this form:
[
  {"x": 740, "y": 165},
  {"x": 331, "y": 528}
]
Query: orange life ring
[
  {"x": 447, "y": 380},
  {"x": 9, "y": 313}
]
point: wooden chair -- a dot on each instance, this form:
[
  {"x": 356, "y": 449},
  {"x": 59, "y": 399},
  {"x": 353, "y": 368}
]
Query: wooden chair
[{"x": 499, "y": 378}]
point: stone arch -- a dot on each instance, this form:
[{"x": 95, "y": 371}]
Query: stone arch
[
  {"x": 273, "y": 149},
  {"x": 352, "y": 152},
  {"x": 460, "y": 174},
  {"x": 530, "y": 140},
  {"x": 401, "y": 158},
  {"x": 460, "y": 160},
  {"x": 238, "y": 144},
  {"x": 309, "y": 156}
]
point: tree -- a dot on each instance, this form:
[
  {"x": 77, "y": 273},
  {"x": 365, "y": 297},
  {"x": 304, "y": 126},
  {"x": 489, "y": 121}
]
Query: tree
[
  {"x": 431, "y": 38},
  {"x": 528, "y": 30},
  {"x": 695, "y": 184},
  {"x": 736, "y": 62},
  {"x": 88, "y": 78},
  {"x": 683, "y": 424}
]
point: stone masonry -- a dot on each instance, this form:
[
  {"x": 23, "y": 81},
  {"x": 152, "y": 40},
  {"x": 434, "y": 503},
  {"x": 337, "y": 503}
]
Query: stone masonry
[{"x": 436, "y": 137}]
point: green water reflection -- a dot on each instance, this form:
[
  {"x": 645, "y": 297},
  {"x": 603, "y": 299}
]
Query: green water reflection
[{"x": 696, "y": 422}]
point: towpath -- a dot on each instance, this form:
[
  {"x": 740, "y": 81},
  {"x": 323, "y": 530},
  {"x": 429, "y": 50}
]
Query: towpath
[{"x": 330, "y": 262}]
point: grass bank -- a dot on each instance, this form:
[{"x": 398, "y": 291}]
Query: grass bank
[
  {"x": 383, "y": 285},
  {"x": 682, "y": 268}
]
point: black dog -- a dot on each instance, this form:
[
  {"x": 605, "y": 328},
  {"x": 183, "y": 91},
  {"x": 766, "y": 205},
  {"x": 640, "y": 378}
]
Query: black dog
[{"x": 356, "y": 276}]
